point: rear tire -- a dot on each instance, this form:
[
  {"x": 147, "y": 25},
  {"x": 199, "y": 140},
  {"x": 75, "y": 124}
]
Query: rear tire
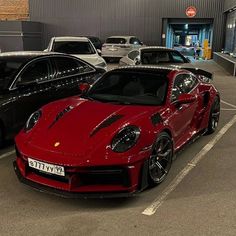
[
  {"x": 161, "y": 159},
  {"x": 214, "y": 116}
]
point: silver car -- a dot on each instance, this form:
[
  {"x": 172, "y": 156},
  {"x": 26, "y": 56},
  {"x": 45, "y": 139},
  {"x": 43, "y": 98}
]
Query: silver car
[
  {"x": 119, "y": 46},
  {"x": 154, "y": 56},
  {"x": 80, "y": 47}
]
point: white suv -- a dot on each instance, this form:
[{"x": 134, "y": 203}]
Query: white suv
[
  {"x": 119, "y": 46},
  {"x": 80, "y": 47}
]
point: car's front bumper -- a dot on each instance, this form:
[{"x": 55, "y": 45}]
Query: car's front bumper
[
  {"x": 81, "y": 181},
  {"x": 67, "y": 194}
]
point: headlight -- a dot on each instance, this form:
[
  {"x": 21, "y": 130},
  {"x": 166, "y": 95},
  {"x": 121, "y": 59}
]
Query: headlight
[
  {"x": 125, "y": 139},
  {"x": 32, "y": 121}
]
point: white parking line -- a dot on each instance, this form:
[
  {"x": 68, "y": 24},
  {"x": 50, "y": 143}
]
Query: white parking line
[
  {"x": 229, "y": 104},
  {"x": 150, "y": 210},
  {"x": 7, "y": 154},
  {"x": 228, "y": 109}
]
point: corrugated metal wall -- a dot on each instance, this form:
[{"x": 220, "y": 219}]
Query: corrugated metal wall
[
  {"x": 104, "y": 18},
  {"x": 229, "y": 4}
]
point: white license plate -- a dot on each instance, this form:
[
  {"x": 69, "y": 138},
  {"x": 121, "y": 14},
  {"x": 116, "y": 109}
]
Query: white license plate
[{"x": 47, "y": 168}]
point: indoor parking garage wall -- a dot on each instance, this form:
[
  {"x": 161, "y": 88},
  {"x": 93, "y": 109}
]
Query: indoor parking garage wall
[
  {"x": 104, "y": 18},
  {"x": 229, "y": 4}
]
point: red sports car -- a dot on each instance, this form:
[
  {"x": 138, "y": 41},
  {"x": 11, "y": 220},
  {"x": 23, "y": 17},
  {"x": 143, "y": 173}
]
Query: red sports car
[{"x": 120, "y": 135}]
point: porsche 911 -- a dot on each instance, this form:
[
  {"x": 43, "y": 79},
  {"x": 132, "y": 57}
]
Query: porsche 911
[{"x": 120, "y": 135}]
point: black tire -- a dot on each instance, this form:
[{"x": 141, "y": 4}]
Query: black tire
[
  {"x": 161, "y": 159},
  {"x": 214, "y": 116}
]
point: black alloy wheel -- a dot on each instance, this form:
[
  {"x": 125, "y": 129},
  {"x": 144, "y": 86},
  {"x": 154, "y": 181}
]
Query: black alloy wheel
[
  {"x": 214, "y": 116},
  {"x": 161, "y": 159}
]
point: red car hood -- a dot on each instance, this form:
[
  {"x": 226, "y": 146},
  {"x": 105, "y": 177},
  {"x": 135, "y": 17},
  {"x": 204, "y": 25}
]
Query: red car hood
[{"x": 85, "y": 128}]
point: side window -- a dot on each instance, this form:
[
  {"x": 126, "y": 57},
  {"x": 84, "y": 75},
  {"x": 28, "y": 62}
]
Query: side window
[
  {"x": 135, "y": 41},
  {"x": 133, "y": 54},
  {"x": 36, "y": 72},
  {"x": 68, "y": 67},
  {"x": 163, "y": 57},
  {"x": 177, "y": 88},
  {"x": 189, "y": 82},
  {"x": 155, "y": 57},
  {"x": 177, "y": 58},
  {"x": 184, "y": 83}
]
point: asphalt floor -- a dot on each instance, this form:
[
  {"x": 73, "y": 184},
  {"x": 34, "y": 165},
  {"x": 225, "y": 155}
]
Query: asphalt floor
[{"x": 197, "y": 198}]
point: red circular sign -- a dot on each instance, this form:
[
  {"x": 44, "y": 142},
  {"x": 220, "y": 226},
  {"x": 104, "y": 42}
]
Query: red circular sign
[{"x": 191, "y": 11}]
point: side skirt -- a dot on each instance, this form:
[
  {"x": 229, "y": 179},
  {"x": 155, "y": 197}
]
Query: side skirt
[{"x": 190, "y": 141}]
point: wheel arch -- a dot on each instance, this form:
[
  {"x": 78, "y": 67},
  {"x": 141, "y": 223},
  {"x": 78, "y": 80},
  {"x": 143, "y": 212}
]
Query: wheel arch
[{"x": 143, "y": 181}]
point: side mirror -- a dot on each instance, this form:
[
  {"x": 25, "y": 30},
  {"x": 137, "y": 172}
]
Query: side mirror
[
  {"x": 84, "y": 87},
  {"x": 99, "y": 52},
  {"x": 186, "y": 98}
]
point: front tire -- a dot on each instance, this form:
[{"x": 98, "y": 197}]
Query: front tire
[
  {"x": 161, "y": 159},
  {"x": 214, "y": 116}
]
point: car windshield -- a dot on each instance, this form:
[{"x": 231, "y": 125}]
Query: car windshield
[
  {"x": 74, "y": 47},
  {"x": 130, "y": 88},
  {"x": 116, "y": 40},
  {"x": 8, "y": 69}
]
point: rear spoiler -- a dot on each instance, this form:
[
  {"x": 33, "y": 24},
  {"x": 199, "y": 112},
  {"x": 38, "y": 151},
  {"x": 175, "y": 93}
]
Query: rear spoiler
[{"x": 199, "y": 72}]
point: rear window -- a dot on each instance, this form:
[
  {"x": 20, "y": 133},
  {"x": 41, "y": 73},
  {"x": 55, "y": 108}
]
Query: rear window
[
  {"x": 73, "y": 47},
  {"x": 116, "y": 40},
  {"x": 154, "y": 57}
]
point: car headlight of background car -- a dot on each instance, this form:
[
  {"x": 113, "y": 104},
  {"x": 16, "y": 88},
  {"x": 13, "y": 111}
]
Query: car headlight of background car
[
  {"x": 32, "y": 121},
  {"x": 125, "y": 139}
]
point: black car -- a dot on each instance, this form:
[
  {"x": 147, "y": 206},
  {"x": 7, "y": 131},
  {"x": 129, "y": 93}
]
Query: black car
[{"x": 29, "y": 80}]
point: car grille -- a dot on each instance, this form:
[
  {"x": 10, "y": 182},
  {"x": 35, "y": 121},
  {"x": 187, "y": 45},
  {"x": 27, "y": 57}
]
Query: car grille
[
  {"x": 105, "y": 176},
  {"x": 94, "y": 176},
  {"x": 87, "y": 176}
]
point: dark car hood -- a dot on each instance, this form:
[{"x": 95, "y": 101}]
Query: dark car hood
[{"x": 83, "y": 125}]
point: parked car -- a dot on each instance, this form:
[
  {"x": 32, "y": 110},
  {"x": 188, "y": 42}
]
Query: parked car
[
  {"x": 119, "y": 46},
  {"x": 154, "y": 56},
  {"x": 95, "y": 41},
  {"x": 185, "y": 50},
  {"x": 80, "y": 47},
  {"x": 29, "y": 80},
  {"x": 119, "y": 136}
]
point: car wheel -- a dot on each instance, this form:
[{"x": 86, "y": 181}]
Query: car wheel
[
  {"x": 214, "y": 116},
  {"x": 161, "y": 159}
]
